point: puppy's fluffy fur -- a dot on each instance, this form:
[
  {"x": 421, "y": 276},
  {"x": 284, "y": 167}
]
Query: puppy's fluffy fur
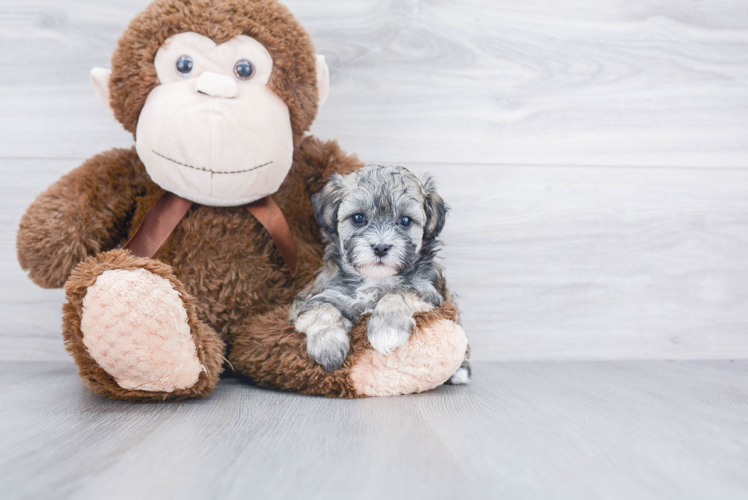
[{"x": 381, "y": 226}]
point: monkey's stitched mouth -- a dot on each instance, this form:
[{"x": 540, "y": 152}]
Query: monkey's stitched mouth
[{"x": 209, "y": 170}]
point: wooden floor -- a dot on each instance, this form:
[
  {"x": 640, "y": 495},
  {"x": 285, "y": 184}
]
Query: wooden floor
[
  {"x": 595, "y": 156},
  {"x": 613, "y": 430}
]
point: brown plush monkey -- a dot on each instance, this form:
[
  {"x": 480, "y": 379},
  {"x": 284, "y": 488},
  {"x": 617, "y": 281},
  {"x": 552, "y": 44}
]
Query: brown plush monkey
[{"x": 173, "y": 254}]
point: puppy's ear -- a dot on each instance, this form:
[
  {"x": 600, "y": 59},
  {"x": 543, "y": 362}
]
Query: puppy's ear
[
  {"x": 326, "y": 203},
  {"x": 436, "y": 209}
]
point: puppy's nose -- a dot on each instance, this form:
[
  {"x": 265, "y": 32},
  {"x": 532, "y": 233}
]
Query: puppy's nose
[{"x": 381, "y": 249}]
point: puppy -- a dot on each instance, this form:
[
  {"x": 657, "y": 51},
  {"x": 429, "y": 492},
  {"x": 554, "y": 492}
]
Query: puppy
[{"x": 380, "y": 224}]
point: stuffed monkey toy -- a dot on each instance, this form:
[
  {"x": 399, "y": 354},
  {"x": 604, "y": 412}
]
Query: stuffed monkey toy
[{"x": 186, "y": 251}]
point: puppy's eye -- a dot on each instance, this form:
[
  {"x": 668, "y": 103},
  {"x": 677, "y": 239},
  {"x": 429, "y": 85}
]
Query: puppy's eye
[
  {"x": 405, "y": 221},
  {"x": 185, "y": 65},
  {"x": 358, "y": 219},
  {"x": 244, "y": 70}
]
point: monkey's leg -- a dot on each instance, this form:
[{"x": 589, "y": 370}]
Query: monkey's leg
[
  {"x": 273, "y": 354},
  {"x": 133, "y": 331}
]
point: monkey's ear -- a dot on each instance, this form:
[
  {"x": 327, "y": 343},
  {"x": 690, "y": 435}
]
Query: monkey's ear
[
  {"x": 436, "y": 209},
  {"x": 100, "y": 79},
  {"x": 326, "y": 204},
  {"x": 323, "y": 80}
]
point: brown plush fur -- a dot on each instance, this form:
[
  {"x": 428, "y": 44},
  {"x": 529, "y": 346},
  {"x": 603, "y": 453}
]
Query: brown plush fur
[
  {"x": 221, "y": 260},
  {"x": 273, "y": 354},
  {"x": 223, "y": 257},
  {"x": 82, "y": 214}
]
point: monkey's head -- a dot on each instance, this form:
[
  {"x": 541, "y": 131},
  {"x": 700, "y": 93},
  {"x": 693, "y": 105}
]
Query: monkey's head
[{"x": 217, "y": 93}]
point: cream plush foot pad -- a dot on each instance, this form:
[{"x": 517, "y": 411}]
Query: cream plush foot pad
[
  {"x": 429, "y": 358},
  {"x": 135, "y": 326}
]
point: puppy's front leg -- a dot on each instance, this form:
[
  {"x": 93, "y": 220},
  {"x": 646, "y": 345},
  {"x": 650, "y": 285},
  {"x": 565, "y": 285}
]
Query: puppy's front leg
[
  {"x": 392, "y": 321},
  {"x": 327, "y": 340}
]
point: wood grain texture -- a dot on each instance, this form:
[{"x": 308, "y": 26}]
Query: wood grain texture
[
  {"x": 594, "y": 156},
  {"x": 614, "y": 430},
  {"x": 598, "y": 263},
  {"x": 548, "y": 263},
  {"x": 650, "y": 82}
]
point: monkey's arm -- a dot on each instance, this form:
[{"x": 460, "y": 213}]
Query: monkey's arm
[
  {"x": 81, "y": 214},
  {"x": 321, "y": 159}
]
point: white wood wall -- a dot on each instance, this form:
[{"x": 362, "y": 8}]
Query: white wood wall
[{"x": 595, "y": 155}]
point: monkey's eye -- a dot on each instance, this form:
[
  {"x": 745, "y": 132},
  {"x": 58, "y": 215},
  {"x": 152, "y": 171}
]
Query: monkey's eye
[
  {"x": 185, "y": 65},
  {"x": 358, "y": 219},
  {"x": 405, "y": 221},
  {"x": 244, "y": 70}
]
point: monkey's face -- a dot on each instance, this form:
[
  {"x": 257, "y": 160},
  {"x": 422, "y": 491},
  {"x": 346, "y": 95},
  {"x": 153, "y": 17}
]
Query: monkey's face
[{"x": 212, "y": 131}]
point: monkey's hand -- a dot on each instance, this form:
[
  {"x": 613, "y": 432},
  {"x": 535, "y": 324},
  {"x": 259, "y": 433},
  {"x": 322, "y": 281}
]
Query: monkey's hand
[
  {"x": 392, "y": 321},
  {"x": 327, "y": 340},
  {"x": 82, "y": 214}
]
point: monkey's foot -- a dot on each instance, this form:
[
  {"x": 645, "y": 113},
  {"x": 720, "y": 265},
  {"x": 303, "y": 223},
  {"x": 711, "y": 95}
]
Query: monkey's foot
[
  {"x": 130, "y": 324},
  {"x": 433, "y": 353},
  {"x": 135, "y": 326}
]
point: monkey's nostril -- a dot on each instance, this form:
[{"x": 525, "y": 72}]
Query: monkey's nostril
[{"x": 381, "y": 249}]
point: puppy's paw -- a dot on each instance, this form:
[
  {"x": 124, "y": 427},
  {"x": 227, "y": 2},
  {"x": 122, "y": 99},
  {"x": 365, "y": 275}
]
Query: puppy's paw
[
  {"x": 387, "y": 332},
  {"x": 462, "y": 375},
  {"x": 327, "y": 340},
  {"x": 329, "y": 348}
]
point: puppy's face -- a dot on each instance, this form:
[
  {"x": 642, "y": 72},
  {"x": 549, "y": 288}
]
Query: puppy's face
[
  {"x": 380, "y": 226},
  {"x": 379, "y": 216}
]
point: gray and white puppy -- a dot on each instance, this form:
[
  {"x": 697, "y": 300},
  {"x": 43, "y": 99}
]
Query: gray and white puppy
[{"x": 381, "y": 225}]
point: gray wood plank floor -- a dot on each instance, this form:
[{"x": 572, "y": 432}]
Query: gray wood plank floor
[
  {"x": 614, "y": 430},
  {"x": 596, "y": 161}
]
